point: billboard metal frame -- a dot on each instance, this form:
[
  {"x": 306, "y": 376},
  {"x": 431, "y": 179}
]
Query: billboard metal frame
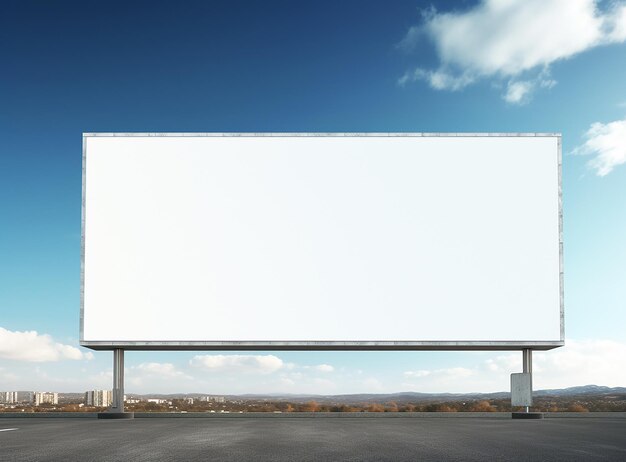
[{"x": 326, "y": 345}]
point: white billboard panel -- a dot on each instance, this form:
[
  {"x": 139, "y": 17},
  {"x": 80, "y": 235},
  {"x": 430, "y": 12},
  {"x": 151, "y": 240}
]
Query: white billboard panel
[{"x": 334, "y": 241}]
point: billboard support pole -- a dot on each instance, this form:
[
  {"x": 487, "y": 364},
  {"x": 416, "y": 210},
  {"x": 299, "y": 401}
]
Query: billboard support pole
[
  {"x": 522, "y": 388},
  {"x": 116, "y": 411},
  {"x": 527, "y": 367},
  {"x": 118, "y": 380}
]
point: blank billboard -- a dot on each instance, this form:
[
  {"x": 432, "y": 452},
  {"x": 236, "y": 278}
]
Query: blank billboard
[{"x": 337, "y": 241}]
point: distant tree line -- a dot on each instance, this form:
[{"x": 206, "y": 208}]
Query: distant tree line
[{"x": 607, "y": 403}]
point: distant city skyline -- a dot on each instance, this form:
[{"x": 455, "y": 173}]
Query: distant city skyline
[{"x": 351, "y": 66}]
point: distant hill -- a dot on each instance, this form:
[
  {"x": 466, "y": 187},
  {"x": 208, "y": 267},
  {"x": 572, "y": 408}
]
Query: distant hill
[
  {"x": 400, "y": 397},
  {"x": 585, "y": 390},
  {"x": 417, "y": 397}
]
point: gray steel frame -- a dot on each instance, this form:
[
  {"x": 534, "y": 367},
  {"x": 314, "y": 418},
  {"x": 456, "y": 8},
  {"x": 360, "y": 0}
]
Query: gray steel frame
[{"x": 326, "y": 345}]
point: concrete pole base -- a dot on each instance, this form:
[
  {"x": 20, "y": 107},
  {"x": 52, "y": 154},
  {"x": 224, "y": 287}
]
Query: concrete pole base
[
  {"x": 116, "y": 415},
  {"x": 527, "y": 415}
]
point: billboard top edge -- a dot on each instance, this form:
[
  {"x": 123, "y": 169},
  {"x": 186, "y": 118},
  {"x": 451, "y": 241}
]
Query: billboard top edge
[{"x": 323, "y": 134}]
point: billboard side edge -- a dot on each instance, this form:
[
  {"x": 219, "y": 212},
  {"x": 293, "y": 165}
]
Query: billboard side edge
[
  {"x": 82, "y": 246},
  {"x": 561, "y": 269}
]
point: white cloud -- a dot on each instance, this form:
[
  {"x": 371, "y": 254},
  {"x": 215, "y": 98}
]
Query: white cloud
[
  {"x": 262, "y": 364},
  {"x": 517, "y": 92},
  {"x": 508, "y": 39},
  {"x": 577, "y": 363},
  {"x": 607, "y": 143},
  {"x": 159, "y": 369},
  {"x": 520, "y": 91},
  {"x": 34, "y": 347},
  {"x": 415, "y": 33},
  {"x": 582, "y": 362},
  {"x": 319, "y": 368},
  {"x": 617, "y": 24},
  {"x": 438, "y": 79},
  {"x": 153, "y": 374},
  {"x": 324, "y": 368}
]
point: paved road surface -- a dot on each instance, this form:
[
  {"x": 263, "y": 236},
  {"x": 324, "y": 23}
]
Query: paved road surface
[{"x": 312, "y": 439}]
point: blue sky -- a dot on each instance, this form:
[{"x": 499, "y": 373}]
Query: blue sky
[{"x": 351, "y": 66}]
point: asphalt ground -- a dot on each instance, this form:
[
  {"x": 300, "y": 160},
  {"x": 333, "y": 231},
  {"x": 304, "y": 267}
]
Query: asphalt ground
[{"x": 313, "y": 439}]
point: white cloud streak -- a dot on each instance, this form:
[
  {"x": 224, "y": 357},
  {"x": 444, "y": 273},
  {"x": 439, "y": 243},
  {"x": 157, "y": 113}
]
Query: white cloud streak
[
  {"x": 453, "y": 373},
  {"x": 34, "y": 347},
  {"x": 607, "y": 144},
  {"x": 510, "y": 39},
  {"x": 253, "y": 364},
  {"x": 256, "y": 364},
  {"x": 319, "y": 368}
]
